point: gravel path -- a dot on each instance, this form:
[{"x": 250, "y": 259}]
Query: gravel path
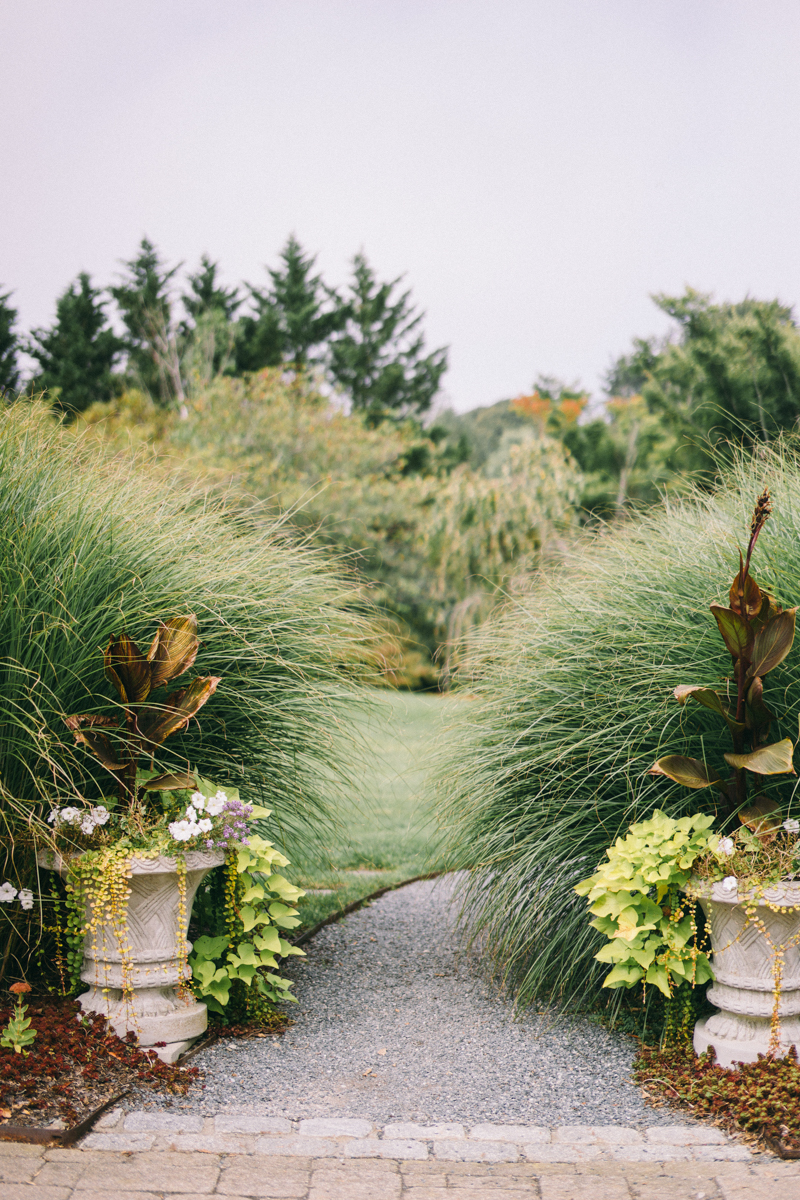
[{"x": 393, "y": 1024}]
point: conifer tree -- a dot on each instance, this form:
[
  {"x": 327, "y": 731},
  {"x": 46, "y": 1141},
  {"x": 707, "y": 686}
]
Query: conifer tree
[
  {"x": 9, "y": 345},
  {"x": 76, "y": 355},
  {"x": 207, "y": 296},
  {"x": 209, "y": 334},
  {"x": 145, "y": 305},
  {"x": 292, "y": 319},
  {"x": 379, "y": 359}
]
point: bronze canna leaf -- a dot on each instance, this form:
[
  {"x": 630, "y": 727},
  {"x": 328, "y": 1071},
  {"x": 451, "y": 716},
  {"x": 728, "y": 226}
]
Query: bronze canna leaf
[
  {"x": 766, "y": 760},
  {"x": 83, "y": 726},
  {"x": 174, "y": 649},
  {"x": 756, "y": 714},
  {"x": 736, "y": 632},
  {"x": 688, "y": 771},
  {"x": 772, "y": 643},
  {"x": 760, "y": 818},
  {"x": 745, "y": 597},
  {"x": 709, "y": 699},
  {"x": 156, "y": 724},
  {"x": 127, "y": 668},
  {"x": 170, "y": 783}
]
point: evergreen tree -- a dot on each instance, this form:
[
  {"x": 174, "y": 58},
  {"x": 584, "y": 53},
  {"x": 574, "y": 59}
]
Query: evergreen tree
[
  {"x": 9, "y": 345},
  {"x": 292, "y": 319},
  {"x": 76, "y": 356},
  {"x": 379, "y": 358},
  {"x": 207, "y": 296},
  {"x": 209, "y": 334},
  {"x": 146, "y": 309}
]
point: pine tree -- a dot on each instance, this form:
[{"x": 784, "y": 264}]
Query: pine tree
[
  {"x": 9, "y": 346},
  {"x": 379, "y": 358},
  {"x": 206, "y": 295},
  {"x": 146, "y": 309},
  {"x": 291, "y": 319},
  {"x": 209, "y": 334},
  {"x": 77, "y": 355}
]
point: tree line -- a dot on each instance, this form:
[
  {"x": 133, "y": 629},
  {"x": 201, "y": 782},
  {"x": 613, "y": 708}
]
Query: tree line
[{"x": 367, "y": 340}]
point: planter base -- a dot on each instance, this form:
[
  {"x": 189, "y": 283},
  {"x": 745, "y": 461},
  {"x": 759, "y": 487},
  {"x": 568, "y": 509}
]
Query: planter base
[
  {"x": 738, "y": 1040},
  {"x": 153, "y": 1014}
]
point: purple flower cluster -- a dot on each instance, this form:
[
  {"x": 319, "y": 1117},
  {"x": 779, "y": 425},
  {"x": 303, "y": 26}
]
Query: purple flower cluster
[{"x": 232, "y": 828}]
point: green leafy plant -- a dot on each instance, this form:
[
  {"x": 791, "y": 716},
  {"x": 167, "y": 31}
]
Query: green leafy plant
[
  {"x": 259, "y": 903},
  {"x": 18, "y": 1032},
  {"x": 758, "y": 635},
  {"x": 636, "y": 900}
]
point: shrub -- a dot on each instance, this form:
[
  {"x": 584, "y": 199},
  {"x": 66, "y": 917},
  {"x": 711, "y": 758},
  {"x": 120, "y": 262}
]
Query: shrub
[
  {"x": 92, "y": 545},
  {"x": 573, "y": 700}
]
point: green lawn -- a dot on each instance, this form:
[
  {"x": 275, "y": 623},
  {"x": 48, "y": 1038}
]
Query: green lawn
[{"x": 384, "y": 835}]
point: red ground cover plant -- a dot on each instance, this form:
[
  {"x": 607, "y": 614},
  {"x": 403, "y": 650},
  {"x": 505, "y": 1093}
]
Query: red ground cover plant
[
  {"x": 75, "y": 1063},
  {"x": 761, "y": 1098}
]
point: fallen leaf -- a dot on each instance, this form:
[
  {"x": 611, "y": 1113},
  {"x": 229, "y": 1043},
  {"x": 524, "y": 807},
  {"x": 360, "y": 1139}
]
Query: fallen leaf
[
  {"x": 367, "y": 1072},
  {"x": 383, "y": 1051}
]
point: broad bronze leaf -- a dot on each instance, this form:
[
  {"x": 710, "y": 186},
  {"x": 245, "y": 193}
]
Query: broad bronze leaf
[
  {"x": 127, "y": 668},
  {"x": 745, "y": 599},
  {"x": 156, "y": 724},
  {"x": 709, "y": 699},
  {"x": 736, "y": 633},
  {"x": 772, "y": 642},
  {"x": 174, "y": 649},
  {"x": 84, "y": 726},
  {"x": 170, "y": 783},
  {"x": 760, "y": 819},
  {"x": 766, "y": 760},
  {"x": 688, "y": 771}
]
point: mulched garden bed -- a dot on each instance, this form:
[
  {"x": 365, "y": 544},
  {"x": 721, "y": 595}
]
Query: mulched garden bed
[{"x": 75, "y": 1064}]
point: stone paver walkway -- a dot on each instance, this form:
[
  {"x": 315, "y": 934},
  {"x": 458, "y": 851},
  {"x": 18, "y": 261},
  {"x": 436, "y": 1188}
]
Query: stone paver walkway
[{"x": 30, "y": 1173}]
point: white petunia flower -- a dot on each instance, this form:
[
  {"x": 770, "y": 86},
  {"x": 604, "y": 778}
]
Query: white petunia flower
[
  {"x": 181, "y": 831},
  {"x": 198, "y": 801},
  {"x": 100, "y": 814},
  {"x": 70, "y": 816},
  {"x": 214, "y": 806},
  {"x": 7, "y": 893},
  {"x": 726, "y": 846},
  {"x": 729, "y": 884},
  {"x": 791, "y": 825},
  {"x": 205, "y": 826},
  {"x": 53, "y": 816},
  {"x": 26, "y": 898}
]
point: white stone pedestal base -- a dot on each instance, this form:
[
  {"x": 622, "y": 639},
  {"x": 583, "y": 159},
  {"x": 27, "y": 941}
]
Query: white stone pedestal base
[{"x": 743, "y": 960}]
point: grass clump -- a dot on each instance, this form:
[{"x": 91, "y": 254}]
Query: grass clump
[
  {"x": 92, "y": 545},
  {"x": 572, "y": 702}
]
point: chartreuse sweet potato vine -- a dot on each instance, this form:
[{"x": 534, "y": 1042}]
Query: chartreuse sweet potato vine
[{"x": 636, "y": 901}]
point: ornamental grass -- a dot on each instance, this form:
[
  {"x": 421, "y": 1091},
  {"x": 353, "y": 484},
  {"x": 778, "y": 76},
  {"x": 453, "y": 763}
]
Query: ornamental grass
[
  {"x": 94, "y": 544},
  {"x": 568, "y": 700}
]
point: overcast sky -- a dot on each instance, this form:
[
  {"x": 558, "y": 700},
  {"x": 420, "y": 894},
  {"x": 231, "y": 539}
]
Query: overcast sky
[{"x": 536, "y": 168}]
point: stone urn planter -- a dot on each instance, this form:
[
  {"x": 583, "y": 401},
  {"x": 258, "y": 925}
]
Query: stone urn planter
[
  {"x": 139, "y": 991},
  {"x": 744, "y": 961}
]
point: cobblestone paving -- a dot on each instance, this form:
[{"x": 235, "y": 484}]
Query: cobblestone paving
[{"x": 30, "y": 1173}]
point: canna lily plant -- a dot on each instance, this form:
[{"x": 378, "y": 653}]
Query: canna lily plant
[
  {"x": 758, "y": 634},
  {"x": 144, "y": 727}
]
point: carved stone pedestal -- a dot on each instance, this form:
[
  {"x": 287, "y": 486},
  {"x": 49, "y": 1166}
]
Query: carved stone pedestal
[
  {"x": 139, "y": 992},
  {"x": 744, "y": 982}
]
